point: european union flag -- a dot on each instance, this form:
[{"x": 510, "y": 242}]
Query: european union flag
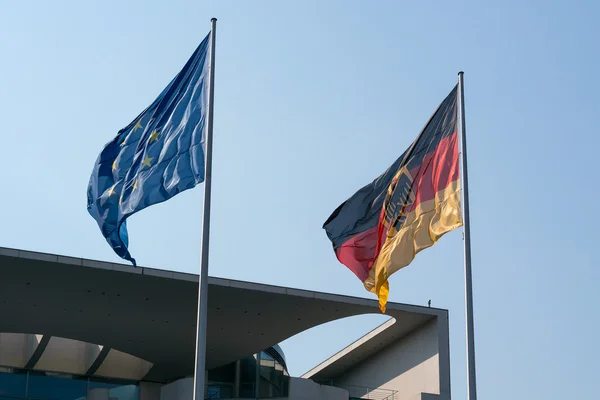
[{"x": 158, "y": 155}]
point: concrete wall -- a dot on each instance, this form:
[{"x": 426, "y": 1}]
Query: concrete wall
[
  {"x": 183, "y": 389},
  {"x": 125, "y": 366},
  {"x": 66, "y": 355},
  {"x": 410, "y": 366},
  {"x": 150, "y": 391},
  {"x": 305, "y": 389},
  {"x": 17, "y": 348}
]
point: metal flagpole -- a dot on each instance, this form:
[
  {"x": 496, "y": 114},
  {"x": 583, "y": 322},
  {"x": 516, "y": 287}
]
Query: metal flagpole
[
  {"x": 471, "y": 379},
  {"x": 199, "y": 371}
]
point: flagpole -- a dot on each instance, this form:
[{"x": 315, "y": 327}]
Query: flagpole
[
  {"x": 201, "y": 320},
  {"x": 471, "y": 378}
]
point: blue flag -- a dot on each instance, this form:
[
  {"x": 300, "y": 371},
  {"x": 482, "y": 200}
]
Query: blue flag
[{"x": 158, "y": 155}]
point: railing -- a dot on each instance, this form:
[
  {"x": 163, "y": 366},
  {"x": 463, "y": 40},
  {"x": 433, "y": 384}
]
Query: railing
[
  {"x": 222, "y": 390},
  {"x": 391, "y": 396},
  {"x": 218, "y": 390}
]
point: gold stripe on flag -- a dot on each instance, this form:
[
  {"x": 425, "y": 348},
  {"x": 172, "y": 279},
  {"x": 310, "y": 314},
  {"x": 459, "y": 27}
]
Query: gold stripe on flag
[{"x": 422, "y": 228}]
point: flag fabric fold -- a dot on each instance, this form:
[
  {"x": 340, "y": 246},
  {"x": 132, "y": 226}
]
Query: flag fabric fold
[
  {"x": 382, "y": 227},
  {"x": 158, "y": 155}
]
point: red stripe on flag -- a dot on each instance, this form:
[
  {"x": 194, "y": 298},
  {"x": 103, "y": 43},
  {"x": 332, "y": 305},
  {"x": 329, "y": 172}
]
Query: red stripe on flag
[
  {"x": 438, "y": 169},
  {"x": 359, "y": 252}
]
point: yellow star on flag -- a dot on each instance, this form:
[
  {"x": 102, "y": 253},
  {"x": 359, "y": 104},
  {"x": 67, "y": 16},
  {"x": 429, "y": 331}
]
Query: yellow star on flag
[
  {"x": 114, "y": 166},
  {"x": 135, "y": 184},
  {"x": 111, "y": 191},
  {"x": 154, "y": 136},
  {"x": 147, "y": 161},
  {"x": 138, "y": 125}
]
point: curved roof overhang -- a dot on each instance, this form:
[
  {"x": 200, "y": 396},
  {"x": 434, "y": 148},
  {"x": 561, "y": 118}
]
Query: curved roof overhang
[
  {"x": 151, "y": 314},
  {"x": 25, "y": 351}
]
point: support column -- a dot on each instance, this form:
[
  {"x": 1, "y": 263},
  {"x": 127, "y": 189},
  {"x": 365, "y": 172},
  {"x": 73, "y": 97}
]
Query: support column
[
  {"x": 257, "y": 379},
  {"x": 236, "y": 387}
]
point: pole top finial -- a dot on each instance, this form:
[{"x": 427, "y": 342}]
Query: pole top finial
[
  {"x": 213, "y": 19},
  {"x": 461, "y": 73}
]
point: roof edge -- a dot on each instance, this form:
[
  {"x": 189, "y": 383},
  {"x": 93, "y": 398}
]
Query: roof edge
[
  {"x": 348, "y": 349},
  {"x": 227, "y": 282}
]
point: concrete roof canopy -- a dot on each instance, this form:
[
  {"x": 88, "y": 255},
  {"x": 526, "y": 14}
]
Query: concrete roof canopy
[{"x": 149, "y": 315}]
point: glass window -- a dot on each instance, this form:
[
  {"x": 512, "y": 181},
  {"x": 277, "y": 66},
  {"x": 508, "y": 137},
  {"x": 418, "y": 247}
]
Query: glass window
[
  {"x": 56, "y": 387},
  {"x": 117, "y": 390},
  {"x": 223, "y": 374},
  {"x": 247, "y": 377},
  {"x": 213, "y": 392},
  {"x": 273, "y": 379},
  {"x": 12, "y": 382}
]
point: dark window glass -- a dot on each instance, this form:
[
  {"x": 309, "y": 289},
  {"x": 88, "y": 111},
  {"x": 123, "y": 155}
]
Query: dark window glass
[
  {"x": 56, "y": 387},
  {"x": 117, "y": 390},
  {"x": 273, "y": 380},
  {"x": 248, "y": 369},
  {"x": 213, "y": 392},
  {"x": 223, "y": 374},
  {"x": 12, "y": 383},
  {"x": 247, "y": 377}
]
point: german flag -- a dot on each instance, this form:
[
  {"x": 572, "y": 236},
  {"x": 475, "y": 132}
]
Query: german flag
[{"x": 382, "y": 227}]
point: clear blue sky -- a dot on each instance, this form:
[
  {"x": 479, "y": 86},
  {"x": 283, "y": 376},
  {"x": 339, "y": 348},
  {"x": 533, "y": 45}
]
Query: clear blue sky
[{"x": 313, "y": 100}]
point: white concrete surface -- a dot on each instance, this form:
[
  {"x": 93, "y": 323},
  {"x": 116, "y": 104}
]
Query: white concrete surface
[
  {"x": 410, "y": 366},
  {"x": 181, "y": 389},
  {"x": 66, "y": 355},
  {"x": 16, "y": 348},
  {"x": 98, "y": 394},
  {"x": 125, "y": 366},
  {"x": 305, "y": 389},
  {"x": 150, "y": 391}
]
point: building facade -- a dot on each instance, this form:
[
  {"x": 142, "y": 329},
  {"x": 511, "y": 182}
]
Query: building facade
[
  {"x": 262, "y": 375},
  {"x": 74, "y": 329}
]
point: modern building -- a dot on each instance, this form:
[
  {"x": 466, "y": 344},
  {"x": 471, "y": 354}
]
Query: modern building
[{"x": 74, "y": 329}]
